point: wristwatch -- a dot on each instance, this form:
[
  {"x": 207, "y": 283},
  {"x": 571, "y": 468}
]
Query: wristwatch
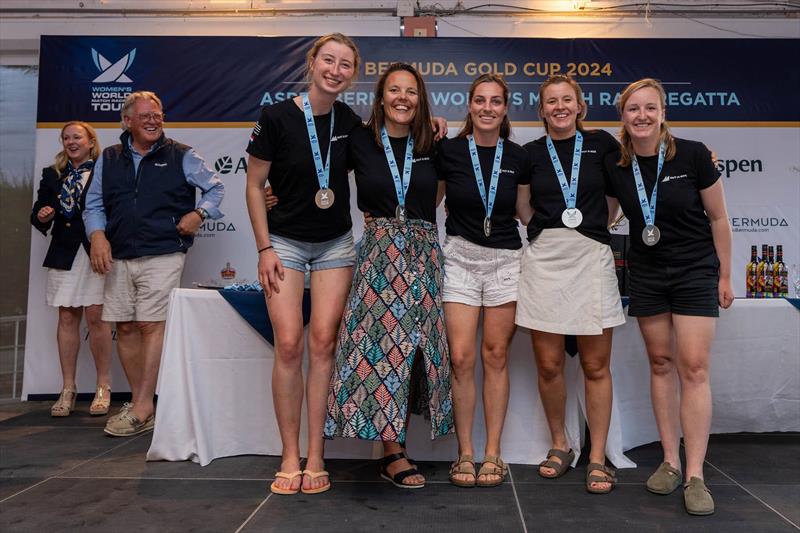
[{"x": 202, "y": 212}]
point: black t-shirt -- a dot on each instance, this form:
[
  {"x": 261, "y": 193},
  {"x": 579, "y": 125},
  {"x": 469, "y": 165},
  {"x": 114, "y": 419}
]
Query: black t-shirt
[
  {"x": 282, "y": 138},
  {"x": 685, "y": 228},
  {"x": 376, "y": 192},
  {"x": 465, "y": 208},
  {"x": 547, "y": 199}
]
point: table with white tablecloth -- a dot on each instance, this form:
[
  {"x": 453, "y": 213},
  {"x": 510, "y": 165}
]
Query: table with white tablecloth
[{"x": 214, "y": 397}]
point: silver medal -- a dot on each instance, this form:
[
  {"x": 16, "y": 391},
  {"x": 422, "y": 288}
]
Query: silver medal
[
  {"x": 324, "y": 198},
  {"x": 487, "y": 226},
  {"x": 572, "y": 218},
  {"x": 400, "y": 213},
  {"x": 651, "y": 235}
]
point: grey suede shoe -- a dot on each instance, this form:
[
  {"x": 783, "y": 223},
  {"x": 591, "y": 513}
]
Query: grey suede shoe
[
  {"x": 664, "y": 480},
  {"x": 697, "y": 498}
]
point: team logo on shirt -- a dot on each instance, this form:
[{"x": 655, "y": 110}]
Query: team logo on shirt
[{"x": 673, "y": 178}]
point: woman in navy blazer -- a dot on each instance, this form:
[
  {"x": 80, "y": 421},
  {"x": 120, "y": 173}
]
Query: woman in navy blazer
[{"x": 71, "y": 284}]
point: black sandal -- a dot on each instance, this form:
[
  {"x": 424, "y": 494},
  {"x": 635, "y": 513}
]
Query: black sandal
[{"x": 398, "y": 478}]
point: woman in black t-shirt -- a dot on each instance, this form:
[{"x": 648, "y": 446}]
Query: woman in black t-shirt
[
  {"x": 300, "y": 145},
  {"x": 482, "y": 170},
  {"x": 392, "y": 355},
  {"x": 568, "y": 284},
  {"x": 679, "y": 267}
]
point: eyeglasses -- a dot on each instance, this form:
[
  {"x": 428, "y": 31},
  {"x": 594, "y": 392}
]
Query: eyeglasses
[{"x": 156, "y": 117}]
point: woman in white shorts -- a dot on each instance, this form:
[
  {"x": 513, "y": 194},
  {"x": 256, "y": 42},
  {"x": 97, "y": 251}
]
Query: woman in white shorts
[
  {"x": 568, "y": 284},
  {"x": 72, "y": 286},
  {"x": 482, "y": 171}
]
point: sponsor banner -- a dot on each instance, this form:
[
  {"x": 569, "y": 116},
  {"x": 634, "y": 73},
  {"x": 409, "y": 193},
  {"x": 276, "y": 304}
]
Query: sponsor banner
[{"x": 227, "y": 79}]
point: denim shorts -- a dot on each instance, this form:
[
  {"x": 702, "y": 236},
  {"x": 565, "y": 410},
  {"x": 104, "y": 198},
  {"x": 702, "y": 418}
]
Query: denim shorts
[{"x": 302, "y": 256}]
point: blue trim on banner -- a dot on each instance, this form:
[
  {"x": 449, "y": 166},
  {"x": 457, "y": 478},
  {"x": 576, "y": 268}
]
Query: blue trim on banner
[
  {"x": 252, "y": 307},
  {"x": 228, "y": 79}
]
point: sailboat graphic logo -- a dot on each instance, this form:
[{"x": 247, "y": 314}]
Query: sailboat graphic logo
[{"x": 113, "y": 72}]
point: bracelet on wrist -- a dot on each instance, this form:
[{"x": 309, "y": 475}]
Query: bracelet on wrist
[{"x": 264, "y": 249}]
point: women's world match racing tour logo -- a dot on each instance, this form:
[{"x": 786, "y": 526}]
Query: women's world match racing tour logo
[{"x": 111, "y": 95}]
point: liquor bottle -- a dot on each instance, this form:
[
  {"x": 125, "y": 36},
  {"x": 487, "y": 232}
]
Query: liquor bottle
[
  {"x": 761, "y": 272},
  {"x": 751, "y": 273},
  {"x": 769, "y": 271},
  {"x": 780, "y": 276}
]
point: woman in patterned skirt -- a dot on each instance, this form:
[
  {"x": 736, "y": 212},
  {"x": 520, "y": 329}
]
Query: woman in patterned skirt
[{"x": 392, "y": 351}]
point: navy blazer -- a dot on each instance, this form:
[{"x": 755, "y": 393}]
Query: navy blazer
[{"x": 68, "y": 233}]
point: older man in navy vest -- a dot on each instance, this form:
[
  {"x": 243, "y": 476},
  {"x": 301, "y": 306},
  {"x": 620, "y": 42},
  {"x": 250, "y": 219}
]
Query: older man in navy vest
[{"x": 141, "y": 216}]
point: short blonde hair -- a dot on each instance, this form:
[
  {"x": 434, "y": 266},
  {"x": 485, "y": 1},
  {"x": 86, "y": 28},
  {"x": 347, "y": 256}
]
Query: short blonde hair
[
  {"x": 130, "y": 101},
  {"x": 666, "y": 137},
  {"x": 563, "y": 78}
]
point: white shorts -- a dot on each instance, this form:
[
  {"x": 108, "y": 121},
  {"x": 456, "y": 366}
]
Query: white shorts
[
  {"x": 138, "y": 289},
  {"x": 77, "y": 287},
  {"x": 477, "y": 275},
  {"x": 568, "y": 285}
]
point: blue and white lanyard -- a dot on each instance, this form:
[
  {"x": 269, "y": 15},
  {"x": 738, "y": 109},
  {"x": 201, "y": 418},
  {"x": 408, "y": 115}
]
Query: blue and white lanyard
[
  {"x": 400, "y": 186},
  {"x": 648, "y": 208},
  {"x": 323, "y": 172},
  {"x": 569, "y": 190},
  {"x": 476, "y": 167}
]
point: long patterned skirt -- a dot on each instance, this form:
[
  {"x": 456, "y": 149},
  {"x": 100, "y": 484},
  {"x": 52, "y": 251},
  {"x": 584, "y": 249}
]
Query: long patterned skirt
[{"x": 393, "y": 313}]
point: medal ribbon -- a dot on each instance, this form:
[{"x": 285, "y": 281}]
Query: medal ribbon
[
  {"x": 400, "y": 185},
  {"x": 648, "y": 208},
  {"x": 569, "y": 190},
  {"x": 323, "y": 172},
  {"x": 476, "y": 168}
]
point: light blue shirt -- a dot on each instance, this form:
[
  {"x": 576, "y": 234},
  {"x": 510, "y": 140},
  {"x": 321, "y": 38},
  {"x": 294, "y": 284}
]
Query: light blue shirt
[{"x": 194, "y": 168}]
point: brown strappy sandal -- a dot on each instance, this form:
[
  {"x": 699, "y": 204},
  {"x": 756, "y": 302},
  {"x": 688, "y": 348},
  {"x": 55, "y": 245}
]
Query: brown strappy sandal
[
  {"x": 464, "y": 465},
  {"x": 492, "y": 465},
  {"x": 560, "y": 468},
  {"x": 607, "y": 477}
]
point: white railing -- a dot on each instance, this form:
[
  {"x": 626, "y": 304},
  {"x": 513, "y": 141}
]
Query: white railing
[{"x": 17, "y": 320}]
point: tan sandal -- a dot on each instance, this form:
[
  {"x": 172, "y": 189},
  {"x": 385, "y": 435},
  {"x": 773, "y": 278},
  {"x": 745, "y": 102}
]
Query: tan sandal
[
  {"x": 315, "y": 475},
  {"x": 492, "y": 465},
  {"x": 464, "y": 465},
  {"x": 65, "y": 403},
  {"x": 275, "y": 489},
  {"x": 561, "y": 468},
  {"x": 101, "y": 402},
  {"x": 607, "y": 477}
]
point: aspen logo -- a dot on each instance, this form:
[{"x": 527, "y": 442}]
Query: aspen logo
[
  {"x": 735, "y": 166},
  {"x": 113, "y": 72},
  {"x": 226, "y": 165}
]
